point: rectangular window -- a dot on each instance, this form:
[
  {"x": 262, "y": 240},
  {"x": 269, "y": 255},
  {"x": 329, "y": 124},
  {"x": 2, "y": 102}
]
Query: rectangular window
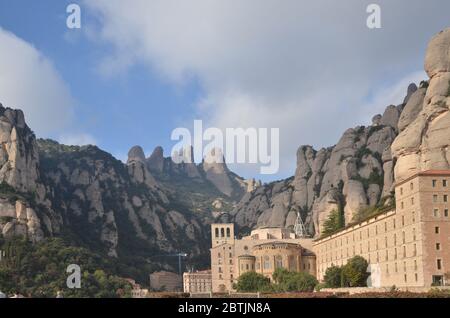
[
  {"x": 401, "y": 191},
  {"x": 445, "y": 198},
  {"x": 435, "y": 198},
  {"x": 439, "y": 264},
  {"x": 434, "y": 183},
  {"x": 436, "y": 213},
  {"x": 412, "y": 201},
  {"x": 446, "y": 212},
  {"x": 411, "y": 186},
  {"x": 438, "y": 246},
  {"x": 444, "y": 183},
  {"x": 436, "y": 230}
]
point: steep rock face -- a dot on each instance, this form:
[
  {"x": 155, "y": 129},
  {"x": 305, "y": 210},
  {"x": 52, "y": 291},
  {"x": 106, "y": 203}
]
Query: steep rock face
[
  {"x": 361, "y": 169},
  {"x": 217, "y": 172},
  {"x": 355, "y": 173},
  {"x": 18, "y": 219},
  {"x": 18, "y": 155},
  {"x": 21, "y": 185},
  {"x": 49, "y": 189},
  {"x": 120, "y": 206},
  {"x": 209, "y": 189},
  {"x": 424, "y": 142}
]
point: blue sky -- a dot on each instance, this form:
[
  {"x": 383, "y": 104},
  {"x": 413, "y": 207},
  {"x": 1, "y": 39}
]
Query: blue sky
[
  {"x": 138, "y": 69},
  {"x": 136, "y": 107}
]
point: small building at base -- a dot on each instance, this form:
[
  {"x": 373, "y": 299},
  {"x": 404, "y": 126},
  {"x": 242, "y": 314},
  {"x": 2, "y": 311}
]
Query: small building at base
[{"x": 197, "y": 282}]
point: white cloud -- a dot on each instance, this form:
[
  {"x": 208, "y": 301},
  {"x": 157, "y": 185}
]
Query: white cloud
[
  {"x": 309, "y": 68},
  {"x": 80, "y": 139},
  {"x": 29, "y": 81}
]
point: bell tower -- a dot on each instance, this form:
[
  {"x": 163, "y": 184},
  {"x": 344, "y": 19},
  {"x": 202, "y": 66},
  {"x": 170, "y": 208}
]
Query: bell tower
[{"x": 222, "y": 233}]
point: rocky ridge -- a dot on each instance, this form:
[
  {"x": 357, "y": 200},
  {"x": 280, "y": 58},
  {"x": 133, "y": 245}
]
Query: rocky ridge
[{"x": 361, "y": 169}]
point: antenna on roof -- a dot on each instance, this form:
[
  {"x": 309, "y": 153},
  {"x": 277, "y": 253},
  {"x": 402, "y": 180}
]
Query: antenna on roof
[{"x": 299, "y": 227}]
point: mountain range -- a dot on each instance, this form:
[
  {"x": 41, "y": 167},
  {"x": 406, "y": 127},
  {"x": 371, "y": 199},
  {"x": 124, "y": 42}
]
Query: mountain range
[{"x": 142, "y": 211}]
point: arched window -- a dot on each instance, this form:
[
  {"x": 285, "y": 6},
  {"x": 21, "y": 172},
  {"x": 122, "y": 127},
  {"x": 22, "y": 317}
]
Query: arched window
[
  {"x": 278, "y": 261},
  {"x": 267, "y": 262},
  {"x": 222, "y": 232},
  {"x": 228, "y": 232},
  {"x": 217, "y": 232}
]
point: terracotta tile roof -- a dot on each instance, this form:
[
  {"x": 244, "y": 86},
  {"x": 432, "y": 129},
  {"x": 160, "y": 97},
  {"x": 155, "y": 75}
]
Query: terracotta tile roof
[
  {"x": 435, "y": 173},
  {"x": 425, "y": 174}
]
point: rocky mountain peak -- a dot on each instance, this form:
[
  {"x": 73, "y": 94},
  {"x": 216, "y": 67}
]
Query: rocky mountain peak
[
  {"x": 156, "y": 160},
  {"x": 136, "y": 153}
]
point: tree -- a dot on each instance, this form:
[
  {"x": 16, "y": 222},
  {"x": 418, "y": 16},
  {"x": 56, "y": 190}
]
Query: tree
[
  {"x": 39, "y": 270},
  {"x": 252, "y": 282},
  {"x": 354, "y": 273},
  {"x": 333, "y": 277},
  {"x": 294, "y": 281},
  {"x": 334, "y": 223}
]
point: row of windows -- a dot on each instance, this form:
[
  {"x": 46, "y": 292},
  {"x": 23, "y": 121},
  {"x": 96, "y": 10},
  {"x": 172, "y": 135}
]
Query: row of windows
[
  {"x": 334, "y": 254},
  {"x": 436, "y": 198},
  {"x": 411, "y": 187},
  {"x": 435, "y": 182},
  {"x": 338, "y": 256},
  {"x": 396, "y": 267},
  {"x": 222, "y": 232},
  {"x": 219, "y": 255},
  {"x": 355, "y": 237},
  {"x": 437, "y": 213},
  {"x": 247, "y": 267}
]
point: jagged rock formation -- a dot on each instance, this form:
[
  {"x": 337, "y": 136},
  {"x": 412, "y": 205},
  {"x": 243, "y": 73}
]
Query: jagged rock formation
[
  {"x": 212, "y": 171},
  {"x": 359, "y": 170},
  {"x": 355, "y": 173},
  {"x": 152, "y": 206},
  {"x": 49, "y": 189},
  {"x": 425, "y": 137}
]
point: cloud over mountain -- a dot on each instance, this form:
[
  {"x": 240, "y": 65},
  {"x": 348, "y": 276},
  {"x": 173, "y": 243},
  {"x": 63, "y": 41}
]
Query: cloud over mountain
[{"x": 271, "y": 63}]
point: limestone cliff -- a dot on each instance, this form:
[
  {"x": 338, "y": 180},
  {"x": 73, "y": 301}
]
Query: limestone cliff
[
  {"x": 424, "y": 141},
  {"x": 360, "y": 170},
  {"x": 48, "y": 189},
  {"x": 355, "y": 173}
]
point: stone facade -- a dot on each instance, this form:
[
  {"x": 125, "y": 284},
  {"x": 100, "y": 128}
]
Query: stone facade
[
  {"x": 408, "y": 246},
  {"x": 263, "y": 251},
  {"x": 197, "y": 282},
  {"x": 165, "y": 281}
]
